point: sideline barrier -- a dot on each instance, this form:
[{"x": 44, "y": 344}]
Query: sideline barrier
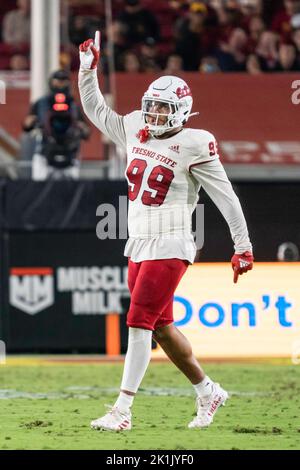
[
  {"x": 254, "y": 118},
  {"x": 59, "y": 281}
]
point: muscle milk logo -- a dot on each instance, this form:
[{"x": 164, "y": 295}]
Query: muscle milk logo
[
  {"x": 31, "y": 289},
  {"x": 94, "y": 290}
]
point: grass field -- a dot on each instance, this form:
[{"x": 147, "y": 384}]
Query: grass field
[{"x": 50, "y": 407}]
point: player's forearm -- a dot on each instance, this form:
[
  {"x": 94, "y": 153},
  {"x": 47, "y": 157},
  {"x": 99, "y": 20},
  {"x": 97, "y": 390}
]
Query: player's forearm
[
  {"x": 92, "y": 100},
  {"x": 235, "y": 219},
  {"x": 102, "y": 116},
  {"x": 214, "y": 181}
]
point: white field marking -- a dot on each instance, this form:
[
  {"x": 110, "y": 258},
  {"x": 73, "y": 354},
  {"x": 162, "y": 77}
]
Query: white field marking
[
  {"x": 74, "y": 392},
  {"x": 9, "y": 394},
  {"x": 166, "y": 391}
]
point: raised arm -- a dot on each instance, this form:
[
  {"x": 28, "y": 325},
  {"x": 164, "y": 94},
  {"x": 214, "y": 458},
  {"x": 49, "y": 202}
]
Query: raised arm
[{"x": 104, "y": 118}]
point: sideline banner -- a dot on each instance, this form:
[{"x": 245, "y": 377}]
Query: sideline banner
[
  {"x": 257, "y": 317},
  {"x": 61, "y": 287}
]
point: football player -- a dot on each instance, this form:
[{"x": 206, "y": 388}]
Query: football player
[{"x": 167, "y": 164}]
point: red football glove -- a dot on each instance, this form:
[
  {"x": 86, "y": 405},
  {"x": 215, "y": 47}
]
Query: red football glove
[
  {"x": 241, "y": 264},
  {"x": 90, "y": 53}
]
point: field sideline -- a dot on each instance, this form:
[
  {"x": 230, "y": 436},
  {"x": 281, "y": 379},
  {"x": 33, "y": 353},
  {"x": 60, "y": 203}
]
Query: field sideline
[{"x": 47, "y": 404}]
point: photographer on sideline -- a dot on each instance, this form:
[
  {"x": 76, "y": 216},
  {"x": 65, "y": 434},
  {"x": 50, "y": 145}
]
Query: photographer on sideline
[{"x": 58, "y": 126}]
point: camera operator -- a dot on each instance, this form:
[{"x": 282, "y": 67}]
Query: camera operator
[{"x": 58, "y": 125}]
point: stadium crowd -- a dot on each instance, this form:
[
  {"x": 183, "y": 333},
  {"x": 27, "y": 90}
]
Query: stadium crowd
[{"x": 253, "y": 36}]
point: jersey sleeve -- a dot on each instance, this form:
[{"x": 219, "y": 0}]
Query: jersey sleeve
[
  {"x": 204, "y": 149},
  {"x": 110, "y": 123},
  {"x": 213, "y": 178}
]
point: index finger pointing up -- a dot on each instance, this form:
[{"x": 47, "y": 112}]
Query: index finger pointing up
[{"x": 97, "y": 40}]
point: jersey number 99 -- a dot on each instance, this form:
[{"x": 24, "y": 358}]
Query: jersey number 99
[{"x": 159, "y": 181}]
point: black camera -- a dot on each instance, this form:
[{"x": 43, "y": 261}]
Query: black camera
[{"x": 61, "y": 133}]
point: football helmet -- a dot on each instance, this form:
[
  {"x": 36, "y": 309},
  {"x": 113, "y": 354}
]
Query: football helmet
[{"x": 167, "y": 97}]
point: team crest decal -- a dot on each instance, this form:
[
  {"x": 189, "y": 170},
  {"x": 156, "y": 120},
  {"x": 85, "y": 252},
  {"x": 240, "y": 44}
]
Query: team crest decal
[
  {"x": 31, "y": 290},
  {"x": 183, "y": 92}
]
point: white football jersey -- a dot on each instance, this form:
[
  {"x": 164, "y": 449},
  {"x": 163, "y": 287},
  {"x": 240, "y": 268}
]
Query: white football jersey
[{"x": 164, "y": 178}]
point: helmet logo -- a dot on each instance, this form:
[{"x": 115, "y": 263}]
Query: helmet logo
[{"x": 182, "y": 92}]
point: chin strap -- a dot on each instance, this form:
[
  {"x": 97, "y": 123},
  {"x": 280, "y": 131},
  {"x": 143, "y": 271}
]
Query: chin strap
[{"x": 144, "y": 134}]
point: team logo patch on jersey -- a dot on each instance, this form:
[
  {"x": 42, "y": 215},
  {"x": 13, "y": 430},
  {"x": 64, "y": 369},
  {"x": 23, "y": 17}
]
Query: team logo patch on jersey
[
  {"x": 174, "y": 148},
  {"x": 31, "y": 289}
]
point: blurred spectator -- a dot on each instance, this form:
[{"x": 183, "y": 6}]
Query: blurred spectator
[
  {"x": 256, "y": 28},
  {"x": 295, "y": 22},
  {"x": 190, "y": 31},
  {"x": 139, "y": 23},
  {"x": 116, "y": 35},
  {"x": 209, "y": 65},
  {"x": 131, "y": 63},
  {"x": 84, "y": 26},
  {"x": 178, "y": 5},
  {"x": 207, "y": 35},
  {"x": 18, "y": 62},
  {"x": 216, "y": 4},
  {"x": 270, "y": 8},
  {"x": 149, "y": 56},
  {"x": 232, "y": 49},
  {"x": 251, "y": 7},
  {"x": 288, "y": 58},
  {"x": 266, "y": 58},
  {"x": 253, "y": 65},
  {"x": 79, "y": 30},
  {"x": 16, "y": 25},
  {"x": 281, "y": 23},
  {"x": 296, "y": 37},
  {"x": 174, "y": 65}
]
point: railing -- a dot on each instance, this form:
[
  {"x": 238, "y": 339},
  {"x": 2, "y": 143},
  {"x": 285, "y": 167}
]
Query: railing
[{"x": 88, "y": 169}]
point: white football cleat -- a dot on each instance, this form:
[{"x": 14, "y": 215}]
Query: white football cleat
[
  {"x": 208, "y": 406},
  {"x": 114, "y": 420}
]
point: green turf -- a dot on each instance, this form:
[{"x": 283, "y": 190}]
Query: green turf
[{"x": 263, "y": 412}]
